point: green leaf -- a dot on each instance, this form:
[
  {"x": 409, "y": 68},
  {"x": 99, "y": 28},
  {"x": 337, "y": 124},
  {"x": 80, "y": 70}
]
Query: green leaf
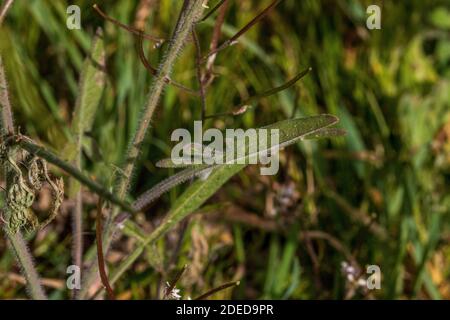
[
  {"x": 90, "y": 90},
  {"x": 290, "y": 131},
  {"x": 91, "y": 85}
]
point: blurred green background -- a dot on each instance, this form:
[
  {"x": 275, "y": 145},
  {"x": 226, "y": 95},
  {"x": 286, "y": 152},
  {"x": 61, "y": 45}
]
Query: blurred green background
[{"x": 379, "y": 196}]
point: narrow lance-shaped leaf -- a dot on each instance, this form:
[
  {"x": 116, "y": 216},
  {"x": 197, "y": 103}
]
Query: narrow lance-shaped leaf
[
  {"x": 90, "y": 90},
  {"x": 290, "y": 131}
]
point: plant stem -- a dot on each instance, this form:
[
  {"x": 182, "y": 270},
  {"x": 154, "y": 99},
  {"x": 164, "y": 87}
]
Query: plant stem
[
  {"x": 6, "y": 5},
  {"x": 77, "y": 217},
  {"x": 6, "y": 119},
  {"x": 243, "y": 30},
  {"x": 16, "y": 240},
  {"x": 33, "y": 148},
  {"x": 201, "y": 84},
  {"x": 26, "y": 265},
  {"x": 100, "y": 256},
  {"x": 189, "y": 15},
  {"x": 219, "y": 288}
]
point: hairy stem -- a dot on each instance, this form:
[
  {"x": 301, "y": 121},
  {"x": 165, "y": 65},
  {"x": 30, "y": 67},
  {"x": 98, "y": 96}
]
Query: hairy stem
[
  {"x": 190, "y": 14},
  {"x": 33, "y": 148},
  {"x": 154, "y": 71},
  {"x": 16, "y": 240},
  {"x": 77, "y": 217},
  {"x": 5, "y": 7},
  {"x": 6, "y": 119},
  {"x": 26, "y": 265}
]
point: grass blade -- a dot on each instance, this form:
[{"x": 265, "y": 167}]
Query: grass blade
[{"x": 90, "y": 91}]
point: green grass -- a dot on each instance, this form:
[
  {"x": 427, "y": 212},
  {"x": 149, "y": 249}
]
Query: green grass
[{"x": 380, "y": 195}]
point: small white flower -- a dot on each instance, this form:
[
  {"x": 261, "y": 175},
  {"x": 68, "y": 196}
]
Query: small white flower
[
  {"x": 174, "y": 294},
  {"x": 352, "y": 275},
  {"x": 348, "y": 269},
  {"x": 362, "y": 282}
]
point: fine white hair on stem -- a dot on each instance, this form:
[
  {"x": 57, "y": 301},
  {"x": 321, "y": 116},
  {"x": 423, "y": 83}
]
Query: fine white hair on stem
[
  {"x": 4, "y": 9},
  {"x": 16, "y": 240},
  {"x": 190, "y": 13}
]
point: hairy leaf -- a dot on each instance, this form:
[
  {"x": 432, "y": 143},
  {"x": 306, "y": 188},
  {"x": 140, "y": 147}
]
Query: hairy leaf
[
  {"x": 91, "y": 85},
  {"x": 290, "y": 131}
]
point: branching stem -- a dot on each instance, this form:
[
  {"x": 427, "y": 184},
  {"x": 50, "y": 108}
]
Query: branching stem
[
  {"x": 16, "y": 240},
  {"x": 190, "y": 14}
]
